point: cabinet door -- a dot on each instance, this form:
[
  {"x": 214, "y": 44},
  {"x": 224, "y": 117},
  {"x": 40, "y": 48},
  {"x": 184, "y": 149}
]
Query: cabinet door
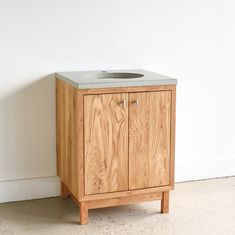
[
  {"x": 149, "y": 139},
  {"x": 106, "y": 143}
]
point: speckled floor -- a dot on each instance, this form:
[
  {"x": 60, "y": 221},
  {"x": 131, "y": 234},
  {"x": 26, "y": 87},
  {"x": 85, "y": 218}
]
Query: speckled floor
[{"x": 201, "y": 207}]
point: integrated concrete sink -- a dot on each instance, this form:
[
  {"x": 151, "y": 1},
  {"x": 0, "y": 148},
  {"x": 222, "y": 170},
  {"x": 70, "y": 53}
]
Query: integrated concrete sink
[
  {"x": 114, "y": 78},
  {"x": 118, "y": 75}
]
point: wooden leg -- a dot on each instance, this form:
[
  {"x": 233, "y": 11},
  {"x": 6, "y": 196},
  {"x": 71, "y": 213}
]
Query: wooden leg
[
  {"x": 64, "y": 191},
  {"x": 83, "y": 213},
  {"x": 165, "y": 202}
]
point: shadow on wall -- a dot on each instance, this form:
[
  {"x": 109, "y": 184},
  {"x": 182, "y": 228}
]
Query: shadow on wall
[{"x": 27, "y": 136}]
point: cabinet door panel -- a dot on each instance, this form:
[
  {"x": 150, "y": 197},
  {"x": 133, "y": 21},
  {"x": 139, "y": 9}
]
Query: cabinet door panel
[
  {"x": 106, "y": 143},
  {"x": 149, "y": 139}
]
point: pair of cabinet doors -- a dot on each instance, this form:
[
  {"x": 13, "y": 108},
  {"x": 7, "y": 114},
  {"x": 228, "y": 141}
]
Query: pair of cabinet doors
[{"x": 127, "y": 141}]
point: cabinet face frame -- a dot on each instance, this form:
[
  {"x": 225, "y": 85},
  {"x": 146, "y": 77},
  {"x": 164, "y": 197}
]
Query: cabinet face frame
[
  {"x": 76, "y": 97},
  {"x": 172, "y": 89}
]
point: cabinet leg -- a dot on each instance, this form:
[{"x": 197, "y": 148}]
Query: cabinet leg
[
  {"x": 83, "y": 213},
  {"x": 64, "y": 191},
  {"x": 165, "y": 202}
]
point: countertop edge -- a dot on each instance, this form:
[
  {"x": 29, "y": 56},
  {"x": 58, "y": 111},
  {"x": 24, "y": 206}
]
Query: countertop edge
[
  {"x": 130, "y": 84},
  {"x": 63, "y": 78},
  {"x": 168, "y": 81}
]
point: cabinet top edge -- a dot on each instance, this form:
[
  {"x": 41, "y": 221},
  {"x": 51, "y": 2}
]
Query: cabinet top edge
[{"x": 86, "y": 80}]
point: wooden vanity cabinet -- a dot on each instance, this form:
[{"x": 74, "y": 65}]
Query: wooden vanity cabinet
[{"x": 115, "y": 146}]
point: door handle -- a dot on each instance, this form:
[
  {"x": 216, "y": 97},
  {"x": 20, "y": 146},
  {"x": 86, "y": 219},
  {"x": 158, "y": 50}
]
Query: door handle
[
  {"x": 137, "y": 102},
  {"x": 122, "y": 102}
]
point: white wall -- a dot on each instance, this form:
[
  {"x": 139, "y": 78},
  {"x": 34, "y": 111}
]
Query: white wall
[{"x": 190, "y": 40}]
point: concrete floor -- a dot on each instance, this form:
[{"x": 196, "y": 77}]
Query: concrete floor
[{"x": 201, "y": 207}]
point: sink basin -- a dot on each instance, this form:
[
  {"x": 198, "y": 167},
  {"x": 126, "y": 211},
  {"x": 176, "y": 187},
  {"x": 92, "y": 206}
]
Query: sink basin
[{"x": 107, "y": 75}]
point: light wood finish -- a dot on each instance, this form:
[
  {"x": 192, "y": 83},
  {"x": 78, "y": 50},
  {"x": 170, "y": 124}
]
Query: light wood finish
[
  {"x": 123, "y": 200},
  {"x": 79, "y": 140},
  {"x": 103, "y": 196},
  {"x": 101, "y": 203},
  {"x": 64, "y": 132},
  {"x": 115, "y": 90},
  {"x": 149, "y": 139},
  {"x": 172, "y": 141},
  {"x": 106, "y": 143},
  {"x": 86, "y": 142},
  {"x": 64, "y": 191},
  {"x": 67, "y": 126},
  {"x": 165, "y": 202},
  {"x": 83, "y": 213}
]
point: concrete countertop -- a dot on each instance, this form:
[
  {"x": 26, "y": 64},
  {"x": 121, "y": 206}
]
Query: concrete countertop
[{"x": 88, "y": 79}]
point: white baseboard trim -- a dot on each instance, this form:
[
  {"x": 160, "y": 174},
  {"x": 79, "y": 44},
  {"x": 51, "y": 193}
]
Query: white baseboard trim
[
  {"x": 45, "y": 187},
  {"x": 207, "y": 169},
  {"x": 27, "y": 189}
]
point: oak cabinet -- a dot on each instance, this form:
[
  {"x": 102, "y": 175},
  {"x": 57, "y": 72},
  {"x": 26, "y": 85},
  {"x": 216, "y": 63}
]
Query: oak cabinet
[
  {"x": 106, "y": 143},
  {"x": 149, "y": 139},
  {"x": 115, "y": 146}
]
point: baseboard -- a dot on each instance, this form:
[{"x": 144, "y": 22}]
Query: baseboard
[
  {"x": 27, "y": 189},
  {"x": 45, "y": 187},
  {"x": 207, "y": 169}
]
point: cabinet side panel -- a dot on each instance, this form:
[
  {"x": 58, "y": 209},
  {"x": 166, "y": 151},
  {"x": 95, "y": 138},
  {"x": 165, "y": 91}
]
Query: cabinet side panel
[
  {"x": 173, "y": 124},
  {"x": 79, "y": 143},
  {"x": 66, "y": 136},
  {"x": 58, "y": 125},
  {"x": 106, "y": 143},
  {"x": 149, "y": 139}
]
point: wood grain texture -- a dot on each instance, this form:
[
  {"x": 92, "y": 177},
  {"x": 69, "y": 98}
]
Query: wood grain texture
[
  {"x": 103, "y": 196},
  {"x": 172, "y": 142},
  {"x": 64, "y": 191},
  {"x": 66, "y": 136},
  {"x": 106, "y": 143},
  {"x": 64, "y": 125},
  {"x": 83, "y": 213},
  {"x": 79, "y": 143},
  {"x": 149, "y": 139},
  {"x": 115, "y": 90},
  {"x": 59, "y": 119},
  {"x": 99, "y": 140},
  {"x": 123, "y": 200},
  {"x": 165, "y": 202}
]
